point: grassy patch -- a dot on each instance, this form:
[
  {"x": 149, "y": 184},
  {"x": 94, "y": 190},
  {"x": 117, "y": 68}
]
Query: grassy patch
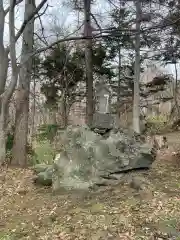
[
  {"x": 44, "y": 152},
  {"x": 157, "y": 124},
  {"x": 4, "y": 236}
]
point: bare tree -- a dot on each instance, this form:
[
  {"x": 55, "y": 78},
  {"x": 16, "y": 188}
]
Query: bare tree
[
  {"x": 136, "y": 103},
  {"x": 23, "y": 69},
  {"x": 7, "y": 93},
  {"x": 22, "y": 98},
  {"x": 89, "y": 63},
  {"x": 3, "y": 76}
]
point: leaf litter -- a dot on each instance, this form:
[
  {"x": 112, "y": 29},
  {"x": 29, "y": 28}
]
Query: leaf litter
[{"x": 118, "y": 212}]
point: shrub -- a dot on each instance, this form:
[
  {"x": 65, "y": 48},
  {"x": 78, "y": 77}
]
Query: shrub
[
  {"x": 47, "y": 132},
  {"x": 156, "y": 124},
  {"x": 9, "y": 145},
  {"x": 44, "y": 153},
  {"x": 9, "y": 141}
]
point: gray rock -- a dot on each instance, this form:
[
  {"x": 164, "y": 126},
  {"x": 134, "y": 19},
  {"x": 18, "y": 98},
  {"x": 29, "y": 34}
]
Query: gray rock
[
  {"x": 137, "y": 183},
  {"x": 86, "y": 158},
  {"x": 44, "y": 178},
  {"x": 40, "y": 168},
  {"x": 102, "y": 121}
]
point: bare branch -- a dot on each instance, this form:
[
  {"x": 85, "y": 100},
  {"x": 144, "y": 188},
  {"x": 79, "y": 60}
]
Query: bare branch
[
  {"x": 38, "y": 8},
  {"x": 98, "y": 35},
  {"x": 41, "y": 39},
  {"x": 40, "y": 14},
  {"x": 67, "y": 39},
  {"x": 94, "y": 18},
  {"x": 42, "y": 28},
  {"x": 128, "y": 77},
  {"x": 12, "y": 36},
  {"x": 7, "y": 9},
  {"x": 8, "y": 93},
  {"x": 2, "y": 16}
]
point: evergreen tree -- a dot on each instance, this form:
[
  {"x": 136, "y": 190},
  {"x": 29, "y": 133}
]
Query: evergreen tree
[{"x": 63, "y": 69}]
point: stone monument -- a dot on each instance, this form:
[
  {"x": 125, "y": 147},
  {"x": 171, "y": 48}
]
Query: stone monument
[{"x": 102, "y": 119}]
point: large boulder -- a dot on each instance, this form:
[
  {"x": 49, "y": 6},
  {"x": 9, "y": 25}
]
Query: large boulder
[{"x": 86, "y": 158}]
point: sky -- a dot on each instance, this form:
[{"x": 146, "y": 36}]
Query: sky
[{"x": 58, "y": 16}]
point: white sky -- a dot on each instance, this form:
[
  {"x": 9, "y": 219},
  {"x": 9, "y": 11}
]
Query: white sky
[{"x": 63, "y": 17}]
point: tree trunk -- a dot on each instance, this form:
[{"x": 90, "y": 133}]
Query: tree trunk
[
  {"x": 3, "y": 77},
  {"x": 136, "y": 102},
  {"x": 3, "y": 69},
  {"x": 2, "y": 136},
  {"x": 6, "y": 94},
  {"x": 64, "y": 112},
  {"x": 53, "y": 112},
  {"x": 3, "y": 52},
  {"x": 175, "y": 91},
  {"x": 175, "y": 111},
  {"x": 22, "y": 104},
  {"x": 119, "y": 84},
  {"x": 89, "y": 63},
  {"x": 21, "y": 128},
  {"x": 33, "y": 112}
]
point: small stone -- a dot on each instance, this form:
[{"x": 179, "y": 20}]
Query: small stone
[
  {"x": 22, "y": 191},
  {"x": 137, "y": 183}
]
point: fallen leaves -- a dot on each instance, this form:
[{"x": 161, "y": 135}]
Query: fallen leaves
[{"x": 119, "y": 212}]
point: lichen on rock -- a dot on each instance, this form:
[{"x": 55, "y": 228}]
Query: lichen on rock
[{"x": 86, "y": 157}]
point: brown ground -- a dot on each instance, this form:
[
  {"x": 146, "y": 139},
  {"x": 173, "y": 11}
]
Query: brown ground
[
  {"x": 174, "y": 138},
  {"x": 27, "y": 212}
]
